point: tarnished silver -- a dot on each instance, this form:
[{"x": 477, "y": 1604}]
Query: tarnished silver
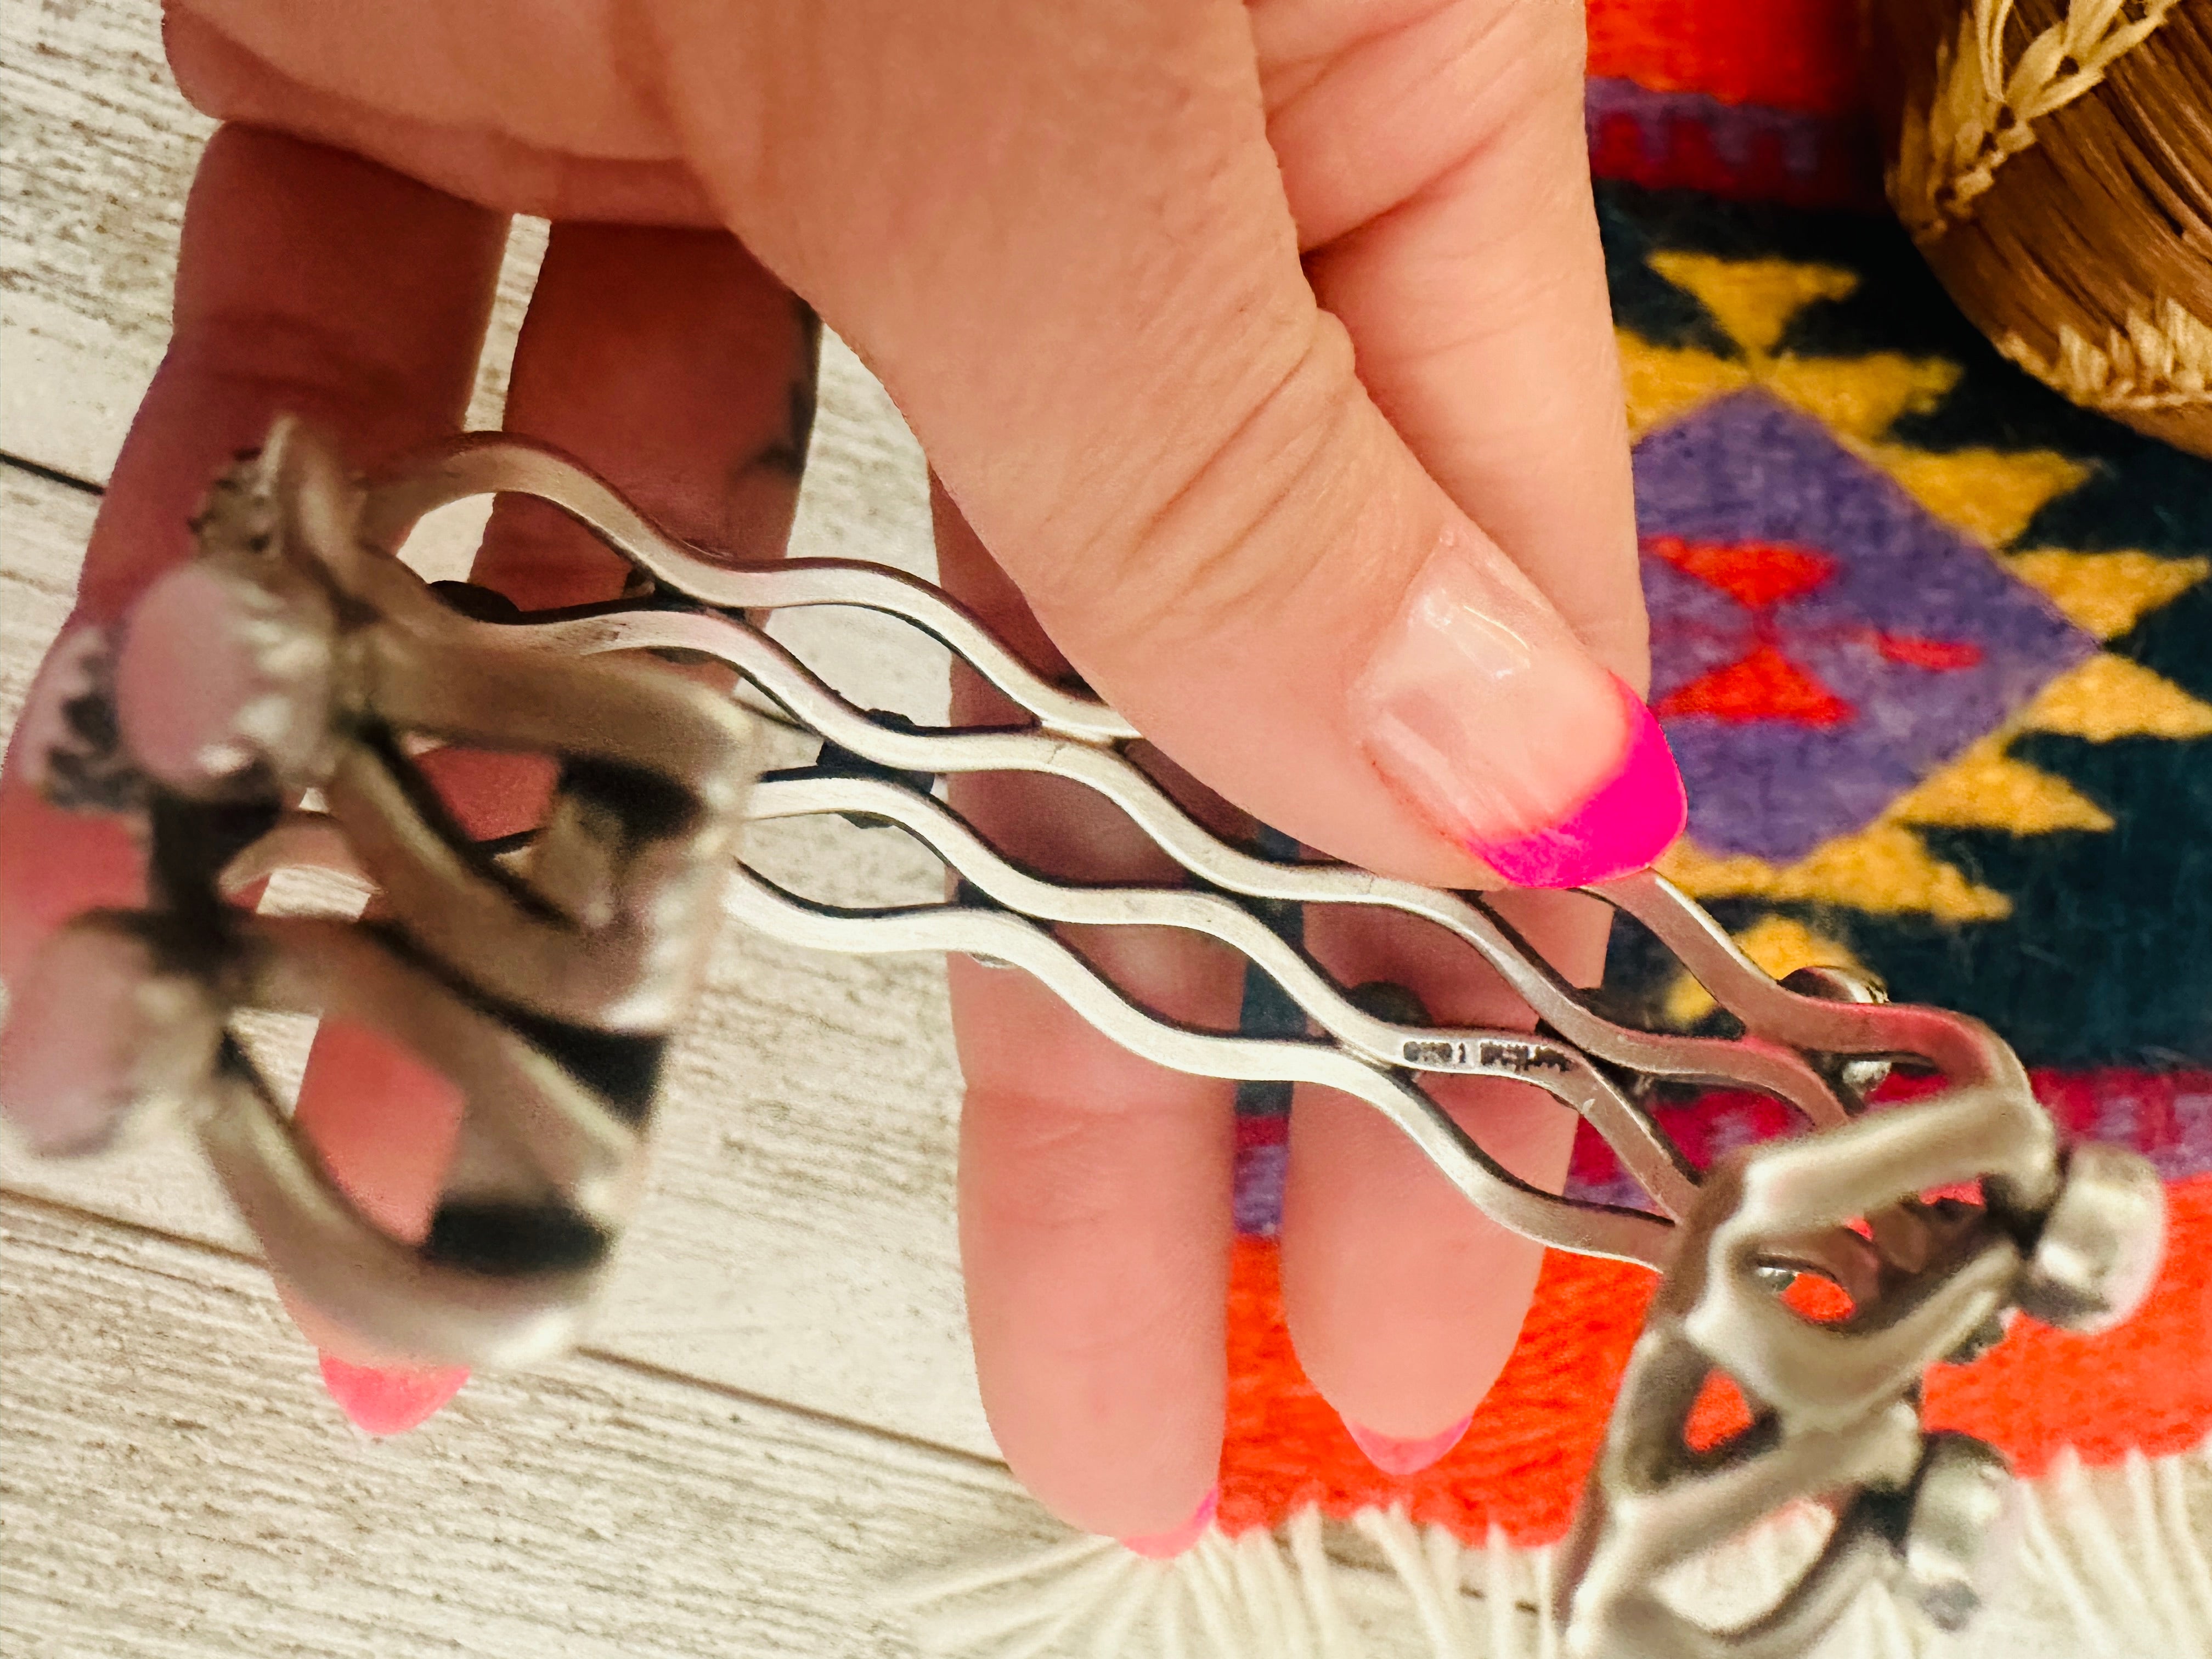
[
  {"x": 1835, "y": 1415},
  {"x": 586, "y": 937},
  {"x": 543, "y": 987}
]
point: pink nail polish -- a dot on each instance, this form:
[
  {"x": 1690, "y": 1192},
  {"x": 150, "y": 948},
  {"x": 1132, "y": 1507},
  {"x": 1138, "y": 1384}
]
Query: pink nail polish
[
  {"x": 1486, "y": 714},
  {"x": 1628, "y": 821},
  {"x": 1402, "y": 1457},
  {"x": 389, "y": 1399},
  {"x": 1165, "y": 1546}
]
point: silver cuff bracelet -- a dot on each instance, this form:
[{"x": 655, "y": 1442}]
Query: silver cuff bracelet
[{"x": 544, "y": 977}]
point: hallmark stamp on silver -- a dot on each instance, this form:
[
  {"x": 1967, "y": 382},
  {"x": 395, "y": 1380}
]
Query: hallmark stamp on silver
[{"x": 1483, "y": 1055}]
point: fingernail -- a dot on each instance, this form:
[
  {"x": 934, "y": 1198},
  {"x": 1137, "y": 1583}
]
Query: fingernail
[
  {"x": 1626, "y": 823},
  {"x": 1164, "y": 1545},
  {"x": 1482, "y": 711},
  {"x": 1395, "y": 1457},
  {"x": 388, "y": 1400}
]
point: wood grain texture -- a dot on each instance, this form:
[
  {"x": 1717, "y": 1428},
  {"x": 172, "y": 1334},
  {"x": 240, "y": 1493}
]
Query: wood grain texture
[
  {"x": 175, "y": 1484},
  {"x": 96, "y": 154},
  {"x": 755, "y": 1436}
]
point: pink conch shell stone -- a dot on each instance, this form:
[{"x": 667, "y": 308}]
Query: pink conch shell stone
[
  {"x": 218, "y": 675},
  {"x": 95, "y": 1029}
]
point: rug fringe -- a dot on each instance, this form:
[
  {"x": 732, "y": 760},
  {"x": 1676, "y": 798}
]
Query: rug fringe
[{"x": 2113, "y": 1564}]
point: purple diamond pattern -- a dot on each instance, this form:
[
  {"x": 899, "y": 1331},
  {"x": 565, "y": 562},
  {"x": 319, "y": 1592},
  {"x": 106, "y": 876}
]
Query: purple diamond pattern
[{"x": 1747, "y": 469}]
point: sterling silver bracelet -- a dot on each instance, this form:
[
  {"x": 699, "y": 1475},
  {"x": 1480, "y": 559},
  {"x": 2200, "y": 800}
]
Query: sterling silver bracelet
[{"x": 545, "y": 977}]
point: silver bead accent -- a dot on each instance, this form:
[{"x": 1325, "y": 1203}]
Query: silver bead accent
[
  {"x": 1862, "y": 1077},
  {"x": 545, "y": 995},
  {"x": 290, "y": 652},
  {"x": 1959, "y": 1532},
  {"x": 2098, "y": 1253}
]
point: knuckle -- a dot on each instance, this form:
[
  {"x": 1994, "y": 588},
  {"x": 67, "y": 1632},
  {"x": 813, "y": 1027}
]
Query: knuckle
[{"x": 1237, "y": 517}]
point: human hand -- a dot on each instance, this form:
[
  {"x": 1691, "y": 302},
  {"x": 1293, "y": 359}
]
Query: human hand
[{"x": 1244, "y": 339}]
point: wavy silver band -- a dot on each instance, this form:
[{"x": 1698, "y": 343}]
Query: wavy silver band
[{"x": 542, "y": 976}]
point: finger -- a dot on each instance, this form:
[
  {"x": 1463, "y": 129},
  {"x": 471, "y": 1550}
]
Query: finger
[
  {"x": 1438, "y": 175},
  {"x": 307, "y": 281},
  {"x": 1094, "y": 1187},
  {"x": 1068, "y": 252},
  {"x": 1131, "y": 388},
  {"x": 1404, "y": 1300},
  {"x": 669, "y": 362}
]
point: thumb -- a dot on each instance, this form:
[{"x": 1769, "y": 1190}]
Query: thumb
[{"x": 1067, "y": 251}]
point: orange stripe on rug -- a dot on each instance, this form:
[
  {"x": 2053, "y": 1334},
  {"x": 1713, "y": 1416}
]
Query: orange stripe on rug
[{"x": 2147, "y": 1387}]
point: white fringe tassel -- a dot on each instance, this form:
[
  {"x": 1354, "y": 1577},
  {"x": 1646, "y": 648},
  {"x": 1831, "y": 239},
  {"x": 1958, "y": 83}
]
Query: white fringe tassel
[{"x": 2115, "y": 1563}]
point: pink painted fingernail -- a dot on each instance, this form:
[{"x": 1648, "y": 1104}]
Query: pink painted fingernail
[
  {"x": 1485, "y": 713},
  {"x": 1165, "y": 1546},
  {"x": 1395, "y": 1457},
  {"x": 1626, "y": 823},
  {"x": 389, "y": 1399}
]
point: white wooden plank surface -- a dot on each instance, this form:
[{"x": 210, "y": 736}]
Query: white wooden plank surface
[
  {"x": 173, "y": 1488},
  {"x": 96, "y": 151},
  {"x": 174, "y": 1485},
  {"x": 94, "y": 155}
]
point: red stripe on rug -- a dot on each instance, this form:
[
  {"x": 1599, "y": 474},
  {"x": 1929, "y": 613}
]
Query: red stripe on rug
[{"x": 1789, "y": 54}]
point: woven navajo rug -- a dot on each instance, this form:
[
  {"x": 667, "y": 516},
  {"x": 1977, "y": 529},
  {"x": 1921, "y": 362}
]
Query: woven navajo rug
[{"x": 1934, "y": 650}]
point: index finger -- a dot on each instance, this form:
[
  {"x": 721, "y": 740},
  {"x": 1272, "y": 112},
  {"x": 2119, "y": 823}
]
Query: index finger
[{"x": 1439, "y": 175}]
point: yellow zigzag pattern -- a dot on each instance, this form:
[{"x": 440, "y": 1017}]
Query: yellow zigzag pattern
[{"x": 1991, "y": 495}]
